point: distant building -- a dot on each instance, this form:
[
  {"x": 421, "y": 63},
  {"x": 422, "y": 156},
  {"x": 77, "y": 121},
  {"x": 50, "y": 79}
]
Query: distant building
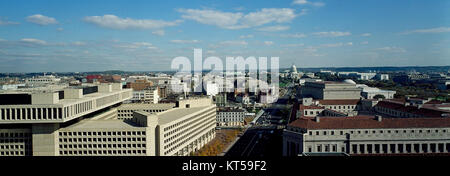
[
  {"x": 381, "y": 77},
  {"x": 139, "y": 84},
  {"x": 212, "y": 89},
  {"x": 408, "y": 109},
  {"x": 47, "y": 79},
  {"x": 370, "y": 92},
  {"x": 230, "y": 117},
  {"x": 407, "y": 78},
  {"x": 147, "y": 95},
  {"x": 11, "y": 86},
  {"x": 328, "y": 90},
  {"x": 221, "y": 99}
]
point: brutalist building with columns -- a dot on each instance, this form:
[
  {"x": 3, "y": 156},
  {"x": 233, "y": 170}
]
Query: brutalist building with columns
[{"x": 83, "y": 121}]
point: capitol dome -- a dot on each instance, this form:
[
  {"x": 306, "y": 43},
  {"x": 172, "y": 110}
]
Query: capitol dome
[
  {"x": 294, "y": 69},
  {"x": 349, "y": 81}
]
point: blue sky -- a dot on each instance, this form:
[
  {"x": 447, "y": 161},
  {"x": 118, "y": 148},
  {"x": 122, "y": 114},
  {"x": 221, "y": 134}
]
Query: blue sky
[{"x": 96, "y": 35}]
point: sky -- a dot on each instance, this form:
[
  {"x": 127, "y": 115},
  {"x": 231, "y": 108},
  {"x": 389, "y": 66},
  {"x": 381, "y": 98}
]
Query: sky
[{"x": 145, "y": 35}]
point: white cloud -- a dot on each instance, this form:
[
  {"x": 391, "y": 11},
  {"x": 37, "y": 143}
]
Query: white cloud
[
  {"x": 268, "y": 43},
  {"x": 136, "y": 45},
  {"x": 159, "y": 32},
  {"x": 229, "y": 43},
  {"x": 306, "y": 2},
  {"x": 274, "y": 28},
  {"x": 234, "y": 42},
  {"x": 41, "y": 20},
  {"x": 332, "y": 34},
  {"x": 114, "y": 22},
  {"x": 366, "y": 34},
  {"x": 33, "y": 41},
  {"x": 6, "y": 22},
  {"x": 60, "y": 29},
  {"x": 430, "y": 30},
  {"x": 78, "y": 43},
  {"x": 364, "y": 43},
  {"x": 184, "y": 41},
  {"x": 391, "y": 49},
  {"x": 230, "y": 20},
  {"x": 294, "y": 45},
  {"x": 297, "y": 35},
  {"x": 332, "y": 45},
  {"x": 246, "y": 36}
]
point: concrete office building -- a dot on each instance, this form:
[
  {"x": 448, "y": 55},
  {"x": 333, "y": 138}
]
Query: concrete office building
[
  {"x": 125, "y": 111},
  {"x": 328, "y": 90},
  {"x": 185, "y": 129},
  {"x": 367, "y": 135},
  {"x": 179, "y": 131}
]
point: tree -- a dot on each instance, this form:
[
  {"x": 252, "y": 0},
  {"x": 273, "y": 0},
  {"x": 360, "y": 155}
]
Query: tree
[{"x": 378, "y": 96}]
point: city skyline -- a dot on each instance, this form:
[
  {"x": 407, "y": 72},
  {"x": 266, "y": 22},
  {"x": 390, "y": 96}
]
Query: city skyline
[{"x": 54, "y": 36}]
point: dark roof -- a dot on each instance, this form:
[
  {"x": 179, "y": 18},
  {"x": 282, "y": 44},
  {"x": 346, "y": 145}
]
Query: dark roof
[
  {"x": 424, "y": 111},
  {"x": 369, "y": 122},
  {"x": 339, "y": 102}
]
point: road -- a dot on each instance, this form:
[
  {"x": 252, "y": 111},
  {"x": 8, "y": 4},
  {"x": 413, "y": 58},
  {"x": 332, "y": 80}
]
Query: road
[{"x": 263, "y": 139}]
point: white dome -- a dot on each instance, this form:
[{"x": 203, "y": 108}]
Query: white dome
[
  {"x": 294, "y": 69},
  {"x": 349, "y": 81}
]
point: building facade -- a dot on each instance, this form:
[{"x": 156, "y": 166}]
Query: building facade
[
  {"x": 367, "y": 136},
  {"x": 230, "y": 117},
  {"x": 330, "y": 90}
]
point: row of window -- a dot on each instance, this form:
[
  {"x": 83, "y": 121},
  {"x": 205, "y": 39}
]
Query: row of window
[
  {"x": 130, "y": 112},
  {"x": 78, "y": 108},
  {"x": 106, "y": 100},
  {"x": 400, "y": 148},
  {"x": 103, "y": 133},
  {"x": 5, "y": 135},
  {"x": 30, "y": 113},
  {"x": 374, "y": 132},
  {"x": 395, "y": 113},
  {"x": 185, "y": 122},
  {"x": 340, "y": 107},
  {"x": 129, "y": 139},
  {"x": 103, "y": 152},
  {"x": 91, "y": 146},
  {"x": 230, "y": 120},
  {"x": 186, "y": 133},
  {"x": 13, "y": 153},
  {"x": 11, "y": 147},
  {"x": 209, "y": 133}
]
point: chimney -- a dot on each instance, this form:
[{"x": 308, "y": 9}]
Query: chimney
[
  {"x": 317, "y": 119},
  {"x": 378, "y": 117}
]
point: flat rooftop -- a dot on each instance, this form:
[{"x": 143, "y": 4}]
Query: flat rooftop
[
  {"x": 102, "y": 124},
  {"x": 176, "y": 113}
]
